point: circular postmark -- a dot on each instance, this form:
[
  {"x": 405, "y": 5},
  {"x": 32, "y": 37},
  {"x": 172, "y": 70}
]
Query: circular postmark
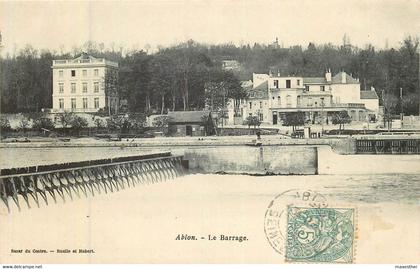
[
  {"x": 302, "y": 226},
  {"x": 275, "y": 220}
]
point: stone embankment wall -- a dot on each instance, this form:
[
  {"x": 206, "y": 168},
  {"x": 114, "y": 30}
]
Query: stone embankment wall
[{"x": 254, "y": 160}]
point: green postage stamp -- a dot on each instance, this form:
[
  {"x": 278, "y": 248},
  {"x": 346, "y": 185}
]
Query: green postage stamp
[{"x": 320, "y": 235}]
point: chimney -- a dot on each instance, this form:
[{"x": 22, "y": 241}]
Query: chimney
[
  {"x": 328, "y": 75},
  {"x": 343, "y": 77}
]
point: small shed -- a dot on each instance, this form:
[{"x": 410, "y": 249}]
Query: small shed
[{"x": 190, "y": 123}]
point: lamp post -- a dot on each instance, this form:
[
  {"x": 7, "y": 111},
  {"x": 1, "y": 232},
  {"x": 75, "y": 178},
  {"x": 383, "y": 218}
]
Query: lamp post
[
  {"x": 322, "y": 116},
  {"x": 402, "y": 107},
  {"x": 401, "y": 99}
]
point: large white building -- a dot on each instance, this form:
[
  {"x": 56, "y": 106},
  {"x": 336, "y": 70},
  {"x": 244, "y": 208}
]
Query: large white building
[
  {"x": 79, "y": 85},
  {"x": 272, "y": 96}
]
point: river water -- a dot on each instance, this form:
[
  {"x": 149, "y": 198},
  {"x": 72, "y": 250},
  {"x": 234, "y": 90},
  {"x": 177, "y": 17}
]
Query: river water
[{"x": 139, "y": 225}]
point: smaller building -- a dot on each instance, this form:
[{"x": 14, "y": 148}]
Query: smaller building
[
  {"x": 371, "y": 101},
  {"x": 190, "y": 123}
]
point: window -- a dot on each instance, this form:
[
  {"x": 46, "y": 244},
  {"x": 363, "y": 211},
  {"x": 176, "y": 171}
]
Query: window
[
  {"x": 309, "y": 101},
  {"x": 298, "y": 82},
  {"x": 61, "y": 103},
  {"x": 85, "y": 103},
  {"x": 73, "y": 73},
  {"x": 279, "y": 100},
  {"x": 60, "y": 87},
  {"x": 322, "y": 88},
  {"x": 261, "y": 116},
  {"x": 260, "y": 104},
  {"x": 96, "y": 72},
  {"x": 288, "y": 101},
  {"x": 73, "y": 103},
  {"x": 288, "y": 84},
  {"x": 60, "y": 73},
  {"x": 307, "y": 88},
  {"x": 96, "y": 102},
  {"x": 85, "y": 73},
  {"x": 322, "y": 101},
  {"x": 73, "y": 88},
  {"x": 96, "y": 86},
  {"x": 250, "y": 105},
  {"x": 276, "y": 84},
  {"x": 84, "y": 86}
]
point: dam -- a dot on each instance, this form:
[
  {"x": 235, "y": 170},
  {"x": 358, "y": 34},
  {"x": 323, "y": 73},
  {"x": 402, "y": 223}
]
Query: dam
[{"x": 43, "y": 176}]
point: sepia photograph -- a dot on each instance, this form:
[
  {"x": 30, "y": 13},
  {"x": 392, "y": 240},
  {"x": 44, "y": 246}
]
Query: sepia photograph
[{"x": 210, "y": 132}]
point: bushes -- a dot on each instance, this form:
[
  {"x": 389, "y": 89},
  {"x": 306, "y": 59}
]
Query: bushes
[
  {"x": 252, "y": 121},
  {"x": 161, "y": 122},
  {"x": 43, "y": 123},
  {"x": 4, "y": 125},
  {"x": 78, "y": 123}
]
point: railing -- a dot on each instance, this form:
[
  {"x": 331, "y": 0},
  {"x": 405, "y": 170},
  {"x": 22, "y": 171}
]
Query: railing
[
  {"x": 388, "y": 146},
  {"x": 313, "y": 106},
  {"x": 86, "y": 178},
  {"x": 83, "y": 61}
]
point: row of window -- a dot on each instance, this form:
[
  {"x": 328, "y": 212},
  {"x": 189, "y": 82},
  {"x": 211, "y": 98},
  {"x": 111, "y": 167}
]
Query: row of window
[
  {"x": 310, "y": 102},
  {"x": 73, "y": 73},
  {"x": 288, "y": 83},
  {"x": 84, "y": 87},
  {"x": 322, "y": 88},
  {"x": 73, "y": 103}
]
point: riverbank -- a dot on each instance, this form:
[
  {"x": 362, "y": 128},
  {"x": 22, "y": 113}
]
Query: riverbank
[{"x": 176, "y": 142}]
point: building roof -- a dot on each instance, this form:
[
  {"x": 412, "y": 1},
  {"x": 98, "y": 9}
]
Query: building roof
[
  {"x": 368, "y": 95},
  {"x": 259, "y": 92},
  {"x": 187, "y": 116},
  {"x": 246, "y": 84},
  {"x": 315, "y": 80},
  {"x": 349, "y": 79},
  {"x": 262, "y": 86}
]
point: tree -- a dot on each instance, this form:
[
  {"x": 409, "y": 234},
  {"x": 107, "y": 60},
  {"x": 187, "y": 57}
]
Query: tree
[
  {"x": 43, "y": 123},
  {"x": 137, "y": 121},
  {"x": 116, "y": 122},
  {"x": 341, "y": 118},
  {"x": 175, "y": 76},
  {"x": 294, "y": 119},
  {"x": 163, "y": 77},
  {"x": 4, "y": 124},
  {"x": 78, "y": 123},
  {"x": 208, "y": 124},
  {"x": 161, "y": 122},
  {"x": 24, "y": 124},
  {"x": 110, "y": 84},
  {"x": 390, "y": 103},
  {"x": 66, "y": 119},
  {"x": 99, "y": 123},
  {"x": 252, "y": 121}
]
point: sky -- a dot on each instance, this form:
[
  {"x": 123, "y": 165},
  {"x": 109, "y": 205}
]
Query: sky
[{"x": 136, "y": 24}]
